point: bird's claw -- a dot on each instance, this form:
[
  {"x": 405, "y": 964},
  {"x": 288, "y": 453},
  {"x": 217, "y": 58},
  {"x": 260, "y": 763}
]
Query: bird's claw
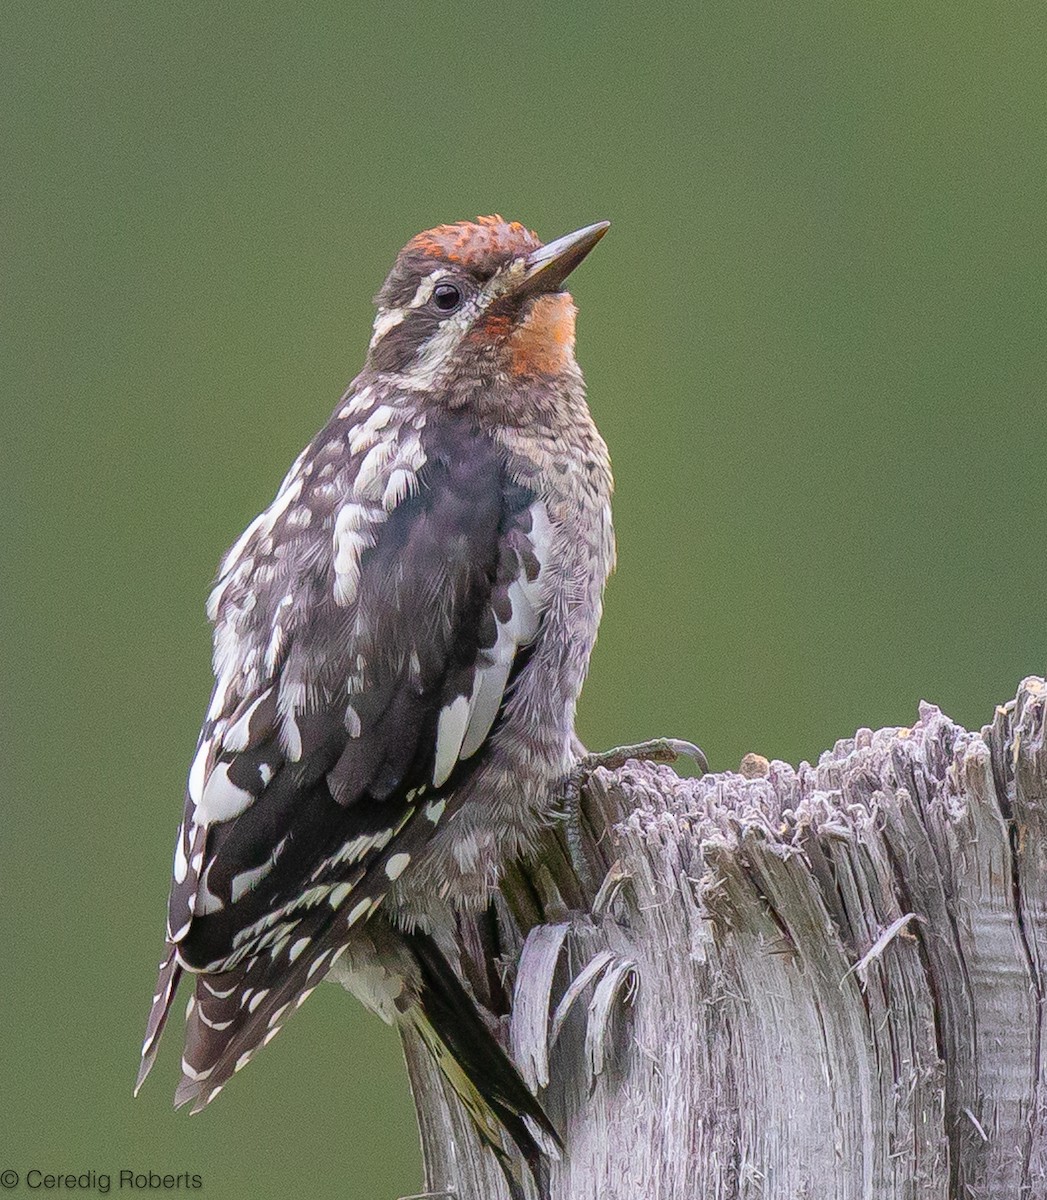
[{"x": 658, "y": 750}]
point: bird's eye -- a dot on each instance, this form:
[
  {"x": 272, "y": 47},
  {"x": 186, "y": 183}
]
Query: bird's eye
[{"x": 446, "y": 297}]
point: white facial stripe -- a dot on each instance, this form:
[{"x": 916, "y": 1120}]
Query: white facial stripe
[
  {"x": 425, "y": 289},
  {"x": 438, "y": 351},
  {"x": 435, "y": 354},
  {"x": 389, "y": 319}
]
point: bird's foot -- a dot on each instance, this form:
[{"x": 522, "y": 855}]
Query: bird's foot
[{"x": 658, "y": 750}]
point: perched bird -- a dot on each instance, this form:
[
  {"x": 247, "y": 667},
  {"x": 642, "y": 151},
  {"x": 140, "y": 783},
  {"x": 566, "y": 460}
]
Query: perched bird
[{"x": 400, "y": 639}]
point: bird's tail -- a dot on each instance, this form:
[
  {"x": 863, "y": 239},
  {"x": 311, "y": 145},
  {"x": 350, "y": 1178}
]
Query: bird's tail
[{"x": 477, "y": 1068}]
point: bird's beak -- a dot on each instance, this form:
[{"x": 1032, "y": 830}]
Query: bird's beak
[{"x": 546, "y": 268}]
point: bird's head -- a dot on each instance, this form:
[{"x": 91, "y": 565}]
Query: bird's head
[{"x": 478, "y": 299}]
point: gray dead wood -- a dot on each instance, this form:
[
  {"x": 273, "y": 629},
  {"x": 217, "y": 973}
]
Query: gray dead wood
[{"x": 789, "y": 985}]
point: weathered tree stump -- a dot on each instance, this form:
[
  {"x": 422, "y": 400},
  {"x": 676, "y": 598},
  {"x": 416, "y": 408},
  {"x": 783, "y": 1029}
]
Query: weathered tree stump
[{"x": 823, "y": 982}]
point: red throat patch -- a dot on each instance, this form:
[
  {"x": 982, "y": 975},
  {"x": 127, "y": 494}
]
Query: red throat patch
[
  {"x": 544, "y": 343},
  {"x": 473, "y": 242}
]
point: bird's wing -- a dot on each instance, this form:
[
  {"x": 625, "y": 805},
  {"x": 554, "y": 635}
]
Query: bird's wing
[{"x": 367, "y": 626}]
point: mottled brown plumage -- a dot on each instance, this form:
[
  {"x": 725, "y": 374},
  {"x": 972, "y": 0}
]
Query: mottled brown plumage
[{"x": 400, "y": 641}]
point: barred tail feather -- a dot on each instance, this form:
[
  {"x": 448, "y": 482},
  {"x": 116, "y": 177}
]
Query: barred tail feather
[
  {"x": 166, "y": 986},
  {"x": 234, "y": 1013}
]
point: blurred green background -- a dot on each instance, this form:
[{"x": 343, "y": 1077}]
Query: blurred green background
[{"x": 814, "y": 341}]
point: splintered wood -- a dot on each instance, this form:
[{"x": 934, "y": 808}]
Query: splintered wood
[{"x": 782, "y": 984}]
